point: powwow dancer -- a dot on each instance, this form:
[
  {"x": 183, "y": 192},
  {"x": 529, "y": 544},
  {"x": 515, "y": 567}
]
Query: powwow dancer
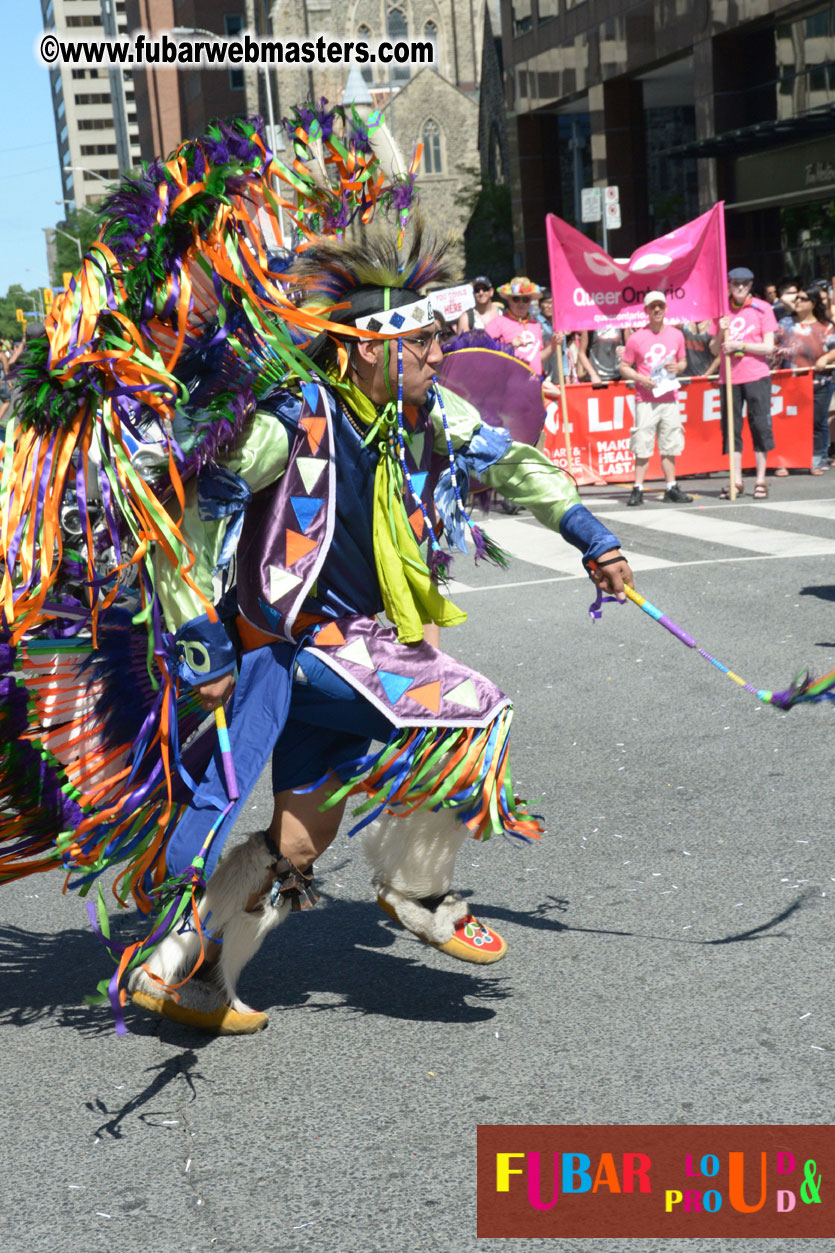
[{"x": 301, "y": 439}]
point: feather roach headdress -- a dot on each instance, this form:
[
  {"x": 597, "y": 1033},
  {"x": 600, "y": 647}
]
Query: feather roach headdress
[{"x": 180, "y": 317}]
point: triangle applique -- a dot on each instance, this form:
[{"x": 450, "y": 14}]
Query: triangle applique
[
  {"x": 298, "y": 546},
  {"x": 464, "y": 694},
  {"x": 329, "y": 636},
  {"x": 416, "y": 523},
  {"x": 416, "y": 444},
  {"x": 423, "y": 549},
  {"x": 394, "y": 685},
  {"x": 429, "y": 696},
  {"x": 272, "y": 616},
  {"x": 419, "y": 482},
  {"x": 410, "y": 413},
  {"x": 305, "y": 508},
  {"x": 310, "y": 469},
  {"x": 281, "y": 582},
  {"x": 311, "y": 395},
  {"x": 315, "y": 428},
  {"x": 357, "y": 652}
]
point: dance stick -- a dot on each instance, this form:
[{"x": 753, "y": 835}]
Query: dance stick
[
  {"x": 226, "y": 753},
  {"x": 803, "y": 689},
  {"x": 682, "y": 635}
]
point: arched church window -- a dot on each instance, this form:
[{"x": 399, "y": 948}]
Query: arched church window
[
  {"x": 397, "y": 28},
  {"x": 432, "y": 155}
]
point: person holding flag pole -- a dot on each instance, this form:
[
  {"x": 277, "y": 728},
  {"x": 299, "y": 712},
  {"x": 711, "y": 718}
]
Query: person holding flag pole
[{"x": 745, "y": 336}]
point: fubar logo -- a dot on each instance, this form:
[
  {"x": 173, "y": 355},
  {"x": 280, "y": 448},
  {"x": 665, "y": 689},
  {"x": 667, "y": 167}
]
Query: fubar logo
[{"x": 651, "y": 1181}]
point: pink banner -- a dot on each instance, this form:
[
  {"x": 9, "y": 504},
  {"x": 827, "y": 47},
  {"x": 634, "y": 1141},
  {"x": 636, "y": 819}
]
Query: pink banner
[{"x": 592, "y": 290}]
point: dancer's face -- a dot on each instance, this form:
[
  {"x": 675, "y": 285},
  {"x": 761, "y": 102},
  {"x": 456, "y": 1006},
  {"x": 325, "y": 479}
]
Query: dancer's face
[{"x": 421, "y": 357}]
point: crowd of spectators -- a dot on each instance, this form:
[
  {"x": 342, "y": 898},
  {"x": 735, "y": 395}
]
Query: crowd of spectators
[{"x": 791, "y": 326}]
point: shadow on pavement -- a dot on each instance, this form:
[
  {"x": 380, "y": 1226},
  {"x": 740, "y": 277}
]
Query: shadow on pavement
[
  {"x": 823, "y": 592},
  {"x": 538, "y": 919},
  {"x": 336, "y": 952}
]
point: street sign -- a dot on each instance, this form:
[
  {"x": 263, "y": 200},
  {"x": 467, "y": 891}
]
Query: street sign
[
  {"x": 612, "y": 195},
  {"x": 612, "y": 216},
  {"x": 591, "y": 209}
]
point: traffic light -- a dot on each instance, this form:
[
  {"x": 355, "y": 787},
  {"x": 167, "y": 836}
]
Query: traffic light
[
  {"x": 20, "y": 316},
  {"x": 48, "y": 298}
]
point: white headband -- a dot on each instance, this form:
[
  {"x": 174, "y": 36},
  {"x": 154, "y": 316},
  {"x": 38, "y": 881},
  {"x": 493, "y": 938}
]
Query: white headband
[{"x": 399, "y": 321}]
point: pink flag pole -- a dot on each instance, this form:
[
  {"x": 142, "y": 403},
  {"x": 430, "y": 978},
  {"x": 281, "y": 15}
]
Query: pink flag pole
[
  {"x": 729, "y": 394},
  {"x": 564, "y": 407}
]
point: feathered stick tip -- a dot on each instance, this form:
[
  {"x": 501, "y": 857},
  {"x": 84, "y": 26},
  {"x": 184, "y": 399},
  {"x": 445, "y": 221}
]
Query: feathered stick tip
[{"x": 804, "y": 690}]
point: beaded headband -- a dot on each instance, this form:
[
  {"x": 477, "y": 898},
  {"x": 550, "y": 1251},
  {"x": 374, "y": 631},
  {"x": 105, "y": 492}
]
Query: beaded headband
[{"x": 400, "y": 321}]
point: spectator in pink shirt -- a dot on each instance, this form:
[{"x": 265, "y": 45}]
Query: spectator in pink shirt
[
  {"x": 751, "y": 327},
  {"x": 517, "y": 328},
  {"x": 652, "y": 358}
]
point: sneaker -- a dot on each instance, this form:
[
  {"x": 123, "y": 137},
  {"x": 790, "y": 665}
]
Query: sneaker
[
  {"x": 636, "y": 497},
  {"x": 677, "y": 496}
]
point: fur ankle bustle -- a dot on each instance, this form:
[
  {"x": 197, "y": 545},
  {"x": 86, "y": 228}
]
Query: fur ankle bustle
[
  {"x": 436, "y": 925},
  {"x": 415, "y": 854},
  {"x": 241, "y": 874}
]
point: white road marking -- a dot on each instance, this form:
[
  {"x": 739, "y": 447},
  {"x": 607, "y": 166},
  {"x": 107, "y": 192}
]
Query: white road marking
[
  {"x": 529, "y": 541},
  {"x": 728, "y": 531}
]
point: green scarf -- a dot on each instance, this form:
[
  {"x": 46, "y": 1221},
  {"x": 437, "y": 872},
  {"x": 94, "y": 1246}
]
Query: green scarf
[{"x": 410, "y": 597}]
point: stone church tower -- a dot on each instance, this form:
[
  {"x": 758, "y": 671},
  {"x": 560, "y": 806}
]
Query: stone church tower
[{"x": 437, "y": 106}]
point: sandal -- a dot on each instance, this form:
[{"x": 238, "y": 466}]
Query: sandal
[
  {"x": 725, "y": 493},
  {"x": 781, "y": 472},
  {"x": 761, "y": 491}
]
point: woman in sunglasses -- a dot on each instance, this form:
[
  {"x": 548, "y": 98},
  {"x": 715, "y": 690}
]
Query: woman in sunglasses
[
  {"x": 803, "y": 341},
  {"x": 517, "y": 328}
]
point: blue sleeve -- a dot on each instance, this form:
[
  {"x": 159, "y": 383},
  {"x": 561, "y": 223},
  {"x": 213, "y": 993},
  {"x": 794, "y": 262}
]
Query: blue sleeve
[{"x": 582, "y": 529}]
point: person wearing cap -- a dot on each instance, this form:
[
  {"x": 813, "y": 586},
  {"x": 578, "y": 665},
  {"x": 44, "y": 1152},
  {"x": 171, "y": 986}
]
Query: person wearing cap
[
  {"x": 486, "y": 308},
  {"x": 751, "y": 327},
  {"x": 517, "y": 328},
  {"x": 652, "y": 358}
]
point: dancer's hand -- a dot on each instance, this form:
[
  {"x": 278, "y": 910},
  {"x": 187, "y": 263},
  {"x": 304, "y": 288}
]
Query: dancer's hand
[
  {"x": 612, "y": 578},
  {"x": 216, "y": 691}
]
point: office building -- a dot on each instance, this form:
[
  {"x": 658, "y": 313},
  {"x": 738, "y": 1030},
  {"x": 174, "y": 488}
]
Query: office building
[{"x": 678, "y": 103}]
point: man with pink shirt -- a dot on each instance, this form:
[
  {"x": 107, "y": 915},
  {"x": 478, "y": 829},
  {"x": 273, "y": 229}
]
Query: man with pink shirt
[
  {"x": 652, "y": 359},
  {"x": 751, "y": 327}
]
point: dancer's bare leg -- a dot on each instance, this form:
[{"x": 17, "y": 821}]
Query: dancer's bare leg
[{"x": 300, "y": 830}]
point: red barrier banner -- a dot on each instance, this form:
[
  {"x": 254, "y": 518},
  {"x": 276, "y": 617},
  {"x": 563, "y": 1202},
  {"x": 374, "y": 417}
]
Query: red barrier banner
[{"x": 601, "y": 419}]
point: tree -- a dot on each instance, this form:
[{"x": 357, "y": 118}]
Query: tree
[
  {"x": 14, "y": 299},
  {"x": 81, "y": 224},
  {"x": 488, "y": 239}
]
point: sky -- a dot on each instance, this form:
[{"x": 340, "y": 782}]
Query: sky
[{"x": 30, "y": 181}]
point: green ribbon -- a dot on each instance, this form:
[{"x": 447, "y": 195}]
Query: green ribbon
[{"x": 410, "y": 597}]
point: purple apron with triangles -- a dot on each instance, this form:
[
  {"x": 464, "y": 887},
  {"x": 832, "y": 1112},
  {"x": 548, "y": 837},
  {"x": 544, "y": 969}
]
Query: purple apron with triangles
[{"x": 285, "y": 540}]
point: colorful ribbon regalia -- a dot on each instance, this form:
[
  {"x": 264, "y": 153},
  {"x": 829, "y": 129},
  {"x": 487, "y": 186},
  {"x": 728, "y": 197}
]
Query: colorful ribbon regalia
[{"x": 176, "y": 414}]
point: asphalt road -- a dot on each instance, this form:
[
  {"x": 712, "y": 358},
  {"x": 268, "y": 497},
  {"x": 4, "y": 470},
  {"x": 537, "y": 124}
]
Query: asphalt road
[{"x": 670, "y": 947}]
